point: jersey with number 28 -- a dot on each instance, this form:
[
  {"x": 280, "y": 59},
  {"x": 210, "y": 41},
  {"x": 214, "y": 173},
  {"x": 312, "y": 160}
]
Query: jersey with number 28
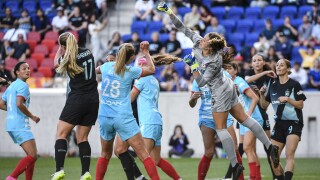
[{"x": 115, "y": 90}]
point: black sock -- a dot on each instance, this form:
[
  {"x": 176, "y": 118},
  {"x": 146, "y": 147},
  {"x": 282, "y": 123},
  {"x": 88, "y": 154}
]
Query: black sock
[
  {"x": 240, "y": 148},
  {"x": 136, "y": 170},
  {"x": 127, "y": 163},
  {"x": 288, "y": 175},
  {"x": 85, "y": 156},
  {"x": 279, "y": 177},
  {"x": 61, "y": 148},
  {"x": 269, "y": 161},
  {"x": 229, "y": 172}
]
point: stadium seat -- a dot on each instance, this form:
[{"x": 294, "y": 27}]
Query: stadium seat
[
  {"x": 183, "y": 10},
  {"x": 32, "y": 44},
  {"x": 37, "y": 74},
  {"x": 158, "y": 72},
  {"x": 46, "y": 71},
  {"x": 290, "y": 11},
  {"x": 10, "y": 63},
  {"x": 51, "y": 35},
  {"x": 32, "y": 63},
  {"x": 31, "y": 6},
  {"x": 229, "y": 25},
  {"x": 75, "y": 33},
  {"x": 55, "y": 49},
  {"x": 270, "y": 12},
  {"x": 251, "y": 38},
  {"x": 237, "y": 39},
  {"x": 49, "y": 63},
  {"x": 1, "y": 35},
  {"x": 253, "y": 13},
  {"x": 41, "y": 49},
  {"x": 45, "y": 4},
  {"x": 13, "y": 5},
  {"x": 295, "y": 55},
  {"x": 139, "y": 27},
  {"x": 179, "y": 67},
  {"x": 303, "y": 10},
  {"x": 276, "y": 23},
  {"x": 33, "y": 35},
  {"x": 185, "y": 52},
  {"x": 163, "y": 38},
  {"x": 235, "y": 13},
  {"x": 219, "y": 12},
  {"x": 51, "y": 14},
  {"x": 296, "y": 22},
  {"x": 258, "y": 26},
  {"x": 126, "y": 37},
  {"x": 207, "y": 3},
  {"x": 244, "y": 26},
  {"x": 49, "y": 43},
  {"x": 155, "y": 26},
  {"x": 38, "y": 57},
  {"x": 145, "y": 37}
]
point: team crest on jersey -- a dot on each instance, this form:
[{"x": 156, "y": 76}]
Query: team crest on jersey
[{"x": 287, "y": 93}]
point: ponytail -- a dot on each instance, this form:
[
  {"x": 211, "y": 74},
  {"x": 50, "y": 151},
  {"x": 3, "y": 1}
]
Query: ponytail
[
  {"x": 69, "y": 63},
  {"x": 125, "y": 52},
  {"x": 164, "y": 59}
]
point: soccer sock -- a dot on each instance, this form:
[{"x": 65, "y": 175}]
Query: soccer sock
[
  {"x": 239, "y": 154},
  {"x": 101, "y": 168},
  {"x": 288, "y": 175},
  {"x": 240, "y": 149},
  {"x": 127, "y": 164},
  {"x": 60, "y": 153},
  {"x": 228, "y": 145},
  {"x": 85, "y": 156},
  {"x": 239, "y": 159},
  {"x": 203, "y": 167},
  {"x": 257, "y": 131},
  {"x": 136, "y": 170},
  {"x": 168, "y": 169},
  {"x": 29, "y": 171},
  {"x": 258, "y": 173},
  {"x": 269, "y": 162},
  {"x": 151, "y": 169},
  {"x": 22, "y": 166},
  {"x": 253, "y": 168},
  {"x": 229, "y": 172},
  {"x": 281, "y": 177}
]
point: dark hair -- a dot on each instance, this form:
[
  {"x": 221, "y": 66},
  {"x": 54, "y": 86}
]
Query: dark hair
[
  {"x": 178, "y": 126},
  {"x": 234, "y": 66},
  {"x": 17, "y": 67}
]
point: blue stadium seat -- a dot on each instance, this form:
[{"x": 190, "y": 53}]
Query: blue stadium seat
[
  {"x": 244, "y": 26},
  {"x": 16, "y": 14},
  {"x": 31, "y": 6},
  {"x": 145, "y": 37},
  {"x": 277, "y": 23},
  {"x": 295, "y": 55},
  {"x": 251, "y": 38},
  {"x": 303, "y": 10},
  {"x": 45, "y": 4},
  {"x": 207, "y": 3},
  {"x": 51, "y": 15},
  {"x": 229, "y": 25},
  {"x": 296, "y": 22},
  {"x": 155, "y": 26},
  {"x": 183, "y": 10},
  {"x": 235, "y": 13},
  {"x": 185, "y": 52},
  {"x": 126, "y": 37},
  {"x": 139, "y": 27},
  {"x": 163, "y": 38},
  {"x": 253, "y": 13},
  {"x": 157, "y": 74},
  {"x": 290, "y": 11},
  {"x": 13, "y": 5},
  {"x": 219, "y": 12},
  {"x": 179, "y": 67},
  {"x": 270, "y": 12},
  {"x": 258, "y": 26},
  {"x": 237, "y": 39}
]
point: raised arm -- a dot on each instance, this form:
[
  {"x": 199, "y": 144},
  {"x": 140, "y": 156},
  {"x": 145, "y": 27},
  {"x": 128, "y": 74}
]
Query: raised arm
[{"x": 149, "y": 69}]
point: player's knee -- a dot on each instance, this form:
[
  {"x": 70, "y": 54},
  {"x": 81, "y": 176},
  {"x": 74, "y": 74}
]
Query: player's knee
[
  {"x": 247, "y": 149},
  {"x": 106, "y": 154},
  {"x": 209, "y": 152}
]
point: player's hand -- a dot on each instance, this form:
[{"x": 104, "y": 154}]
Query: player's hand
[
  {"x": 144, "y": 46},
  {"x": 263, "y": 89},
  {"x": 162, "y": 6},
  {"x": 36, "y": 119},
  {"x": 196, "y": 95},
  {"x": 189, "y": 59},
  {"x": 271, "y": 73},
  {"x": 283, "y": 99}
]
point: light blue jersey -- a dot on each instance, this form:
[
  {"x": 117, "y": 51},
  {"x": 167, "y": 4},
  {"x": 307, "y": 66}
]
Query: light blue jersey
[
  {"x": 148, "y": 100},
  {"x": 16, "y": 120},
  {"x": 205, "y": 112},
  {"x": 115, "y": 94}
]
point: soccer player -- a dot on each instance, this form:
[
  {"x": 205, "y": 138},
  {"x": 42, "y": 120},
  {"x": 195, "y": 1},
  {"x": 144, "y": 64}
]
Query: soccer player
[
  {"x": 82, "y": 104},
  {"x": 16, "y": 100},
  {"x": 115, "y": 115},
  {"x": 287, "y": 98},
  {"x": 208, "y": 127},
  {"x": 146, "y": 91},
  {"x": 249, "y": 100},
  {"x": 206, "y": 65}
]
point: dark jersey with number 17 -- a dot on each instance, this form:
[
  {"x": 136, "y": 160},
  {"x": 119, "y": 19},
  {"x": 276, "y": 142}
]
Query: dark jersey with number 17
[{"x": 83, "y": 86}]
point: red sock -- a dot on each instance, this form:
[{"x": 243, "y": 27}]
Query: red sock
[
  {"x": 29, "y": 171},
  {"x": 253, "y": 168},
  {"x": 168, "y": 169},
  {"x": 258, "y": 173},
  {"x": 203, "y": 167},
  {"x": 22, "y": 166},
  {"x": 151, "y": 168},
  {"x": 241, "y": 177},
  {"x": 101, "y": 168}
]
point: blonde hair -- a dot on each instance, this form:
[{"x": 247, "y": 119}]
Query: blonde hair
[
  {"x": 288, "y": 64},
  {"x": 164, "y": 59},
  {"x": 126, "y": 50},
  {"x": 69, "y": 64}
]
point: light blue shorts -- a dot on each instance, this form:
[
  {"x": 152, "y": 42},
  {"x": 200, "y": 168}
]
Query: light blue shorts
[
  {"x": 125, "y": 127},
  {"x": 211, "y": 124},
  {"x": 152, "y": 131},
  {"x": 20, "y": 137},
  {"x": 243, "y": 130}
]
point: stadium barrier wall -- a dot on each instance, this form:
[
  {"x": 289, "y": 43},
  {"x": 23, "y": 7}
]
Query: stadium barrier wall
[{"x": 48, "y": 104}]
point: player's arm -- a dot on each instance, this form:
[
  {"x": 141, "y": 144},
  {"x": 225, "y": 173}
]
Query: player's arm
[
  {"x": 249, "y": 92},
  {"x": 98, "y": 71},
  {"x": 294, "y": 103},
  {"x": 255, "y": 77},
  {"x": 149, "y": 68},
  {"x": 3, "y": 105},
  {"x": 193, "y": 99},
  {"x": 134, "y": 93},
  {"x": 262, "y": 101},
  {"x": 24, "y": 110}
]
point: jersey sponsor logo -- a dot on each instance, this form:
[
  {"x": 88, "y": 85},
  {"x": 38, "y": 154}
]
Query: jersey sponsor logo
[
  {"x": 116, "y": 103},
  {"x": 300, "y": 92},
  {"x": 275, "y": 102},
  {"x": 274, "y": 94}
]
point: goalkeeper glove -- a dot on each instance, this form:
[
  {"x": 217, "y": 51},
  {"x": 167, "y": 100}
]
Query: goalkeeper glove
[
  {"x": 162, "y": 6},
  {"x": 194, "y": 67},
  {"x": 189, "y": 59}
]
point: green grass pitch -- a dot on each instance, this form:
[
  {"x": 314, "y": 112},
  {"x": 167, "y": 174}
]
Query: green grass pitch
[{"x": 306, "y": 168}]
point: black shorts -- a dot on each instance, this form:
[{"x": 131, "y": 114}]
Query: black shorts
[
  {"x": 266, "y": 125},
  {"x": 80, "y": 114},
  {"x": 283, "y": 128}
]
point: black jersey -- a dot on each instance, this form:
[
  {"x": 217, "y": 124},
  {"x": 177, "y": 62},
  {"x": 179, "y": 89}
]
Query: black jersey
[
  {"x": 285, "y": 111},
  {"x": 83, "y": 86}
]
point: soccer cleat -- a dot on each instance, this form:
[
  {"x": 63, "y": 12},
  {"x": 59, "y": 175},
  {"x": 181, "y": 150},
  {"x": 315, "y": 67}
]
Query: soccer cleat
[
  {"x": 162, "y": 6},
  {"x": 58, "y": 175},
  {"x": 10, "y": 178},
  {"x": 275, "y": 156},
  {"x": 86, "y": 176},
  {"x": 237, "y": 170}
]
